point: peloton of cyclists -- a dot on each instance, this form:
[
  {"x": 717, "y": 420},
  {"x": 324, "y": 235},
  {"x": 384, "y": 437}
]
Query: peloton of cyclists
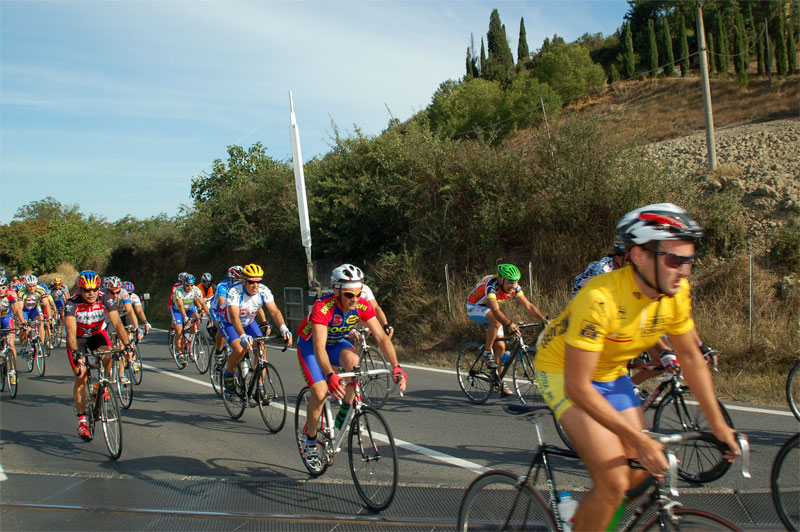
[{"x": 322, "y": 344}]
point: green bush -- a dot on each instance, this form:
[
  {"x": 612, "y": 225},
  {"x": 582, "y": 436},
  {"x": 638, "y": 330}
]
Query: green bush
[
  {"x": 785, "y": 250},
  {"x": 569, "y": 70}
]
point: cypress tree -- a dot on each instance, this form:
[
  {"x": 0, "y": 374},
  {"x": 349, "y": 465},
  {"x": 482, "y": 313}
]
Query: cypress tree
[
  {"x": 484, "y": 70},
  {"x": 628, "y": 58},
  {"x": 760, "y": 50},
  {"x": 669, "y": 65},
  {"x": 523, "y": 53},
  {"x": 651, "y": 37},
  {"x": 501, "y": 62},
  {"x": 740, "y": 54},
  {"x": 684, "y": 48},
  {"x": 790, "y": 46},
  {"x": 613, "y": 76},
  {"x": 712, "y": 56},
  {"x": 723, "y": 64},
  {"x": 780, "y": 46}
]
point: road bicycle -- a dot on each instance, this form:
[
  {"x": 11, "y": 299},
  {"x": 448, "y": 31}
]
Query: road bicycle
[
  {"x": 793, "y": 390},
  {"x": 370, "y": 445},
  {"x": 196, "y": 345},
  {"x": 102, "y": 406},
  {"x": 217, "y": 365},
  {"x": 136, "y": 367},
  {"x": 478, "y": 381},
  {"x": 58, "y": 331},
  {"x": 34, "y": 352},
  {"x": 499, "y": 500},
  {"x": 257, "y": 386},
  {"x": 375, "y": 388},
  {"x": 7, "y": 364}
]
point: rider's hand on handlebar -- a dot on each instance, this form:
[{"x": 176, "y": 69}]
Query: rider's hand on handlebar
[
  {"x": 335, "y": 385},
  {"x": 246, "y": 341},
  {"x": 513, "y": 330},
  {"x": 650, "y": 453},
  {"x": 670, "y": 361},
  {"x": 400, "y": 377}
]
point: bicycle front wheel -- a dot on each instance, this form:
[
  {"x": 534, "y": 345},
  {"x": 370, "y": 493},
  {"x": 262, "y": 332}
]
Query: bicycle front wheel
[
  {"x": 793, "y": 390},
  {"x": 496, "y": 501},
  {"x": 476, "y": 380},
  {"x": 271, "y": 398},
  {"x": 201, "y": 352},
  {"x": 235, "y": 401},
  {"x": 525, "y": 380},
  {"x": 700, "y": 461},
  {"x": 136, "y": 365},
  {"x": 690, "y": 520},
  {"x": 122, "y": 383},
  {"x": 785, "y": 483},
  {"x": 39, "y": 348},
  {"x": 111, "y": 421},
  {"x": 375, "y": 388},
  {"x": 373, "y": 459}
]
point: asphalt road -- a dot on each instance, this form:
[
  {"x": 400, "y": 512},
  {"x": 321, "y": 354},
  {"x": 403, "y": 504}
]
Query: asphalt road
[{"x": 178, "y": 436}]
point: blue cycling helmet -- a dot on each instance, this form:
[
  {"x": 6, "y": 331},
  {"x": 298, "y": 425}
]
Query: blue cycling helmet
[{"x": 188, "y": 278}]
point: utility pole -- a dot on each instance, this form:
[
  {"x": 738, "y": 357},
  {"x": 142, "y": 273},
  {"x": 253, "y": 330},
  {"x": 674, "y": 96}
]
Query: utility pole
[
  {"x": 769, "y": 63},
  {"x": 701, "y": 43}
]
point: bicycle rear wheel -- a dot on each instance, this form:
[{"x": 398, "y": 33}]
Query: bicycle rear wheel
[
  {"x": 58, "y": 334},
  {"x": 373, "y": 459},
  {"x": 215, "y": 375},
  {"x": 793, "y": 390},
  {"x": 201, "y": 351},
  {"x": 271, "y": 399},
  {"x": 136, "y": 368},
  {"x": 235, "y": 401},
  {"x": 496, "y": 501},
  {"x": 111, "y": 421},
  {"x": 122, "y": 383},
  {"x": 691, "y": 520},
  {"x": 785, "y": 483},
  {"x": 301, "y": 407},
  {"x": 476, "y": 380},
  {"x": 375, "y": 388},
  {"x": 525, "y": 380},
  {"x": 700, "y": 461}
]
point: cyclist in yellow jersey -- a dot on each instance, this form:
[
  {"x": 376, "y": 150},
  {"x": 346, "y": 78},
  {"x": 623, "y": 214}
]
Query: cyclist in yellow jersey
[{"x": 582, "y": 357}]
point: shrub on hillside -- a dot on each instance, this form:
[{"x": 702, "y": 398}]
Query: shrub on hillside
[
  {"x": 569, "y": 70},
  {"x": 785, "y": 250}
]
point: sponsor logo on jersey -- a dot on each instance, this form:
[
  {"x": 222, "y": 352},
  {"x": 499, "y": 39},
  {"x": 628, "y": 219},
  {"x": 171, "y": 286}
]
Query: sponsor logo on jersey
[
  {"x": 327, "y": 306},
  {"x": 588, "y": 330},
  {"x": 336, "y": 321},
  {"x": 361, "y": 306}
]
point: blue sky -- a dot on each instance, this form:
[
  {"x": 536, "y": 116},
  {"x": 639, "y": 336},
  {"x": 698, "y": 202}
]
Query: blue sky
[{"x": 116, "y": 105}]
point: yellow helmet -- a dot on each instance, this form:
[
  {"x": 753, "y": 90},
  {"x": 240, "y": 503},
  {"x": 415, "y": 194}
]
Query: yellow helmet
[{"x": 252, "y": 271}]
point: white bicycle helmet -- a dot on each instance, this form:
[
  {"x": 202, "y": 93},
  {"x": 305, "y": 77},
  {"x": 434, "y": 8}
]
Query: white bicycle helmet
[
  {"x": 347, "y": 276},
  {"x": 31, "y": 280},
  {"x": 234, "y": 272},
  {"x": 661, "y": 221}
]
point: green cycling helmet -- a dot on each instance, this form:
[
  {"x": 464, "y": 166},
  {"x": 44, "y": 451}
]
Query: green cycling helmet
[{"x": 509, "y": 272}]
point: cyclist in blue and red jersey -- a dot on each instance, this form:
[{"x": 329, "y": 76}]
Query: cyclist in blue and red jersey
[
  {"x": 483, "y": 306},
  {"x": 10, "y": 307},
  {"x": 322, "y": 344},
  {"x": 60, "y": 294},
  {"x": 85, "y": 320}
]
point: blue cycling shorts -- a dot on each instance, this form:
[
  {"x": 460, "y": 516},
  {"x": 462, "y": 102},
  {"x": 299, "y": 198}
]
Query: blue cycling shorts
[
  {"x": 177, "y": 318},
  {"x": 308, "y": 361},
  {"x": 228, "y": 331}
]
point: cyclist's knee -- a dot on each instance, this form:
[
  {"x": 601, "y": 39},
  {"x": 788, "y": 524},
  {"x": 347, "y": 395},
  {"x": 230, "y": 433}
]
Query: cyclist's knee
[{"x": 612, "y": 485}]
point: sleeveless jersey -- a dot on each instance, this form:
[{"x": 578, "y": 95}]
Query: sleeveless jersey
[
  {"x": 610, "y": 315},
  {"x": 187, "y": 297},
  {"x": 32, "y": 300}
]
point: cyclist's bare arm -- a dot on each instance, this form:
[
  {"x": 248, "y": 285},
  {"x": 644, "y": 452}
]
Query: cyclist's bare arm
[
  {"x": 132, "y": 314},
  {"x": 494, "y": 306},
  {"x": 697, "y": 374},
  {"x": 182, "y": 310},
  {"x": 140, "y": 313},
  {"x": 122, "y": 334},
  {"x": 579, "y": 366},
  {"x": 532, "y": 309},
  {"x": 261, "y": 315},
  {"x": 381, "y": 315},
  {"x": 71, "y": 325},
  {"x": 277, "y": 318},
  {"x": 200, "y": 302},
  {"x": 386, "y": 346}
]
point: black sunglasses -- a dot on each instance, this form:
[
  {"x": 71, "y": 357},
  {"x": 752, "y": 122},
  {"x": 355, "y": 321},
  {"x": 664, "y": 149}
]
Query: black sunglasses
[{"x": 673, "y": 260}]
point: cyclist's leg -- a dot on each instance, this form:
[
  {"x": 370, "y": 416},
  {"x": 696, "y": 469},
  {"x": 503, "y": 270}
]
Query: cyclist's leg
[
  {"x": 80, "y": 379},
  {"x": 313, "y": 376},
  {"x": 8, "y": 323},
  {"x": 483, "y": 315},
  {"x": 237, "y": 349}
]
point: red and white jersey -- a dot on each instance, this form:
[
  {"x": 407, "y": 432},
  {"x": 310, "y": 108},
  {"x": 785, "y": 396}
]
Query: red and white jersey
[
  {"x": 89, "y": 317},
  {"x": 6, "y": 303}
]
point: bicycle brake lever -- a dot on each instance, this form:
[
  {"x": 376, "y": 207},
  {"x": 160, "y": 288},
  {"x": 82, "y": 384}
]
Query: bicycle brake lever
[{"x": 744, "y": 445}]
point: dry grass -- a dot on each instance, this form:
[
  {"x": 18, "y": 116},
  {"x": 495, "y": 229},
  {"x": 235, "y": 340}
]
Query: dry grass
[
  {"x": 659, "y": 109},
  {"x": 65, "y": 270}
]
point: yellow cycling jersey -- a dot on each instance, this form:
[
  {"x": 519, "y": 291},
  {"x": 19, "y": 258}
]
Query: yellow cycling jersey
[{"x": 612, "y": 316}]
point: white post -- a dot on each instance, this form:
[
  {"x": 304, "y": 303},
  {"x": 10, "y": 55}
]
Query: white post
[
  {"x": 447, "y": 281},
  {"x": 701, "y": 44},
  {"x": 302, "y": 202}
]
